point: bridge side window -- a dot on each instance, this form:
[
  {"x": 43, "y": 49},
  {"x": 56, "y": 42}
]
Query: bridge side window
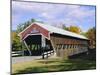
[
  {"x": 66, "y": 46},
  {"x": 70, "y": 46}
]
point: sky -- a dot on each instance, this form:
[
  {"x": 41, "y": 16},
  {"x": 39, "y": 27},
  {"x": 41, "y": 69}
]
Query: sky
[{"x": 82, "y": 16}]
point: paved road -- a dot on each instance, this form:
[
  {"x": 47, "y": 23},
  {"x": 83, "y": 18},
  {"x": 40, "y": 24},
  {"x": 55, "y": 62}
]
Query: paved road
[{"x": 24, "y": 59}]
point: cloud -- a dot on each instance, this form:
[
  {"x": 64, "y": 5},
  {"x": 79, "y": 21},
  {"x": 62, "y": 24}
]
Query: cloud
[
  {"x": 53, "y": 13},
  {"x": 80, "y": 14},
  {"x": 46, "y": 9}
]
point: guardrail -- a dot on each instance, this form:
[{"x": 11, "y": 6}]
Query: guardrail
[
  {"x": 17, "y": 53},
  {"x": 47, "y": 54}
]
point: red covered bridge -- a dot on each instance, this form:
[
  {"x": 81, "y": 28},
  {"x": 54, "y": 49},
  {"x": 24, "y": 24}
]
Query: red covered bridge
[{"x": 41, "y": 38}]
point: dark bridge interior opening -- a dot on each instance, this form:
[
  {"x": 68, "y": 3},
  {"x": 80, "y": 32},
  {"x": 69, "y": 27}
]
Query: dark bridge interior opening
[{"x": 34, "y": 44}]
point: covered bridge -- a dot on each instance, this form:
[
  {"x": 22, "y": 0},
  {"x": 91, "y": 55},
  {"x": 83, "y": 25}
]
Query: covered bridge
[{"x": 41, "y": 38}]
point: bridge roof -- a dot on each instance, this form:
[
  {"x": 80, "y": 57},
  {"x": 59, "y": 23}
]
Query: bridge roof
[{"x": 53, "y": 29}]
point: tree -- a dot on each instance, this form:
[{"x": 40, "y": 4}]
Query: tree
[
  {"x": 16, "y": 45},
  {"x": 19, "y": 28},
  {"x": 64, "y": 27},
  {"x": 91, "y": 35},
  {"x": 22, "y": 26},
  {"x": 74, "y": 29},
  {"x": 33, "y": 20},
  {"x": 83, "y": 33}
]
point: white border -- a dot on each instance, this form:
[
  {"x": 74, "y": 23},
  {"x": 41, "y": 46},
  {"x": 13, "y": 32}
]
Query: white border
[
  {"x": 5, "y": 37},
  {"x": 85, "y": 2}
]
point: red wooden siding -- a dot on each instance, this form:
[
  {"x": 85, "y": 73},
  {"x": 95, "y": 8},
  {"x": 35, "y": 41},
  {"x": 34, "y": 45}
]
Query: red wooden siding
[{"x": 35, "y": 26}]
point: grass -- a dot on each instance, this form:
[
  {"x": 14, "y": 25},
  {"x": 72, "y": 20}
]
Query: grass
[{"x": 53, "y": 65}]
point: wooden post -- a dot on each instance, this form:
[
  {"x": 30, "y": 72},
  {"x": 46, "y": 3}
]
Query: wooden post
[
  {"x": 43, "y": 44},
  {"x": 30, "y": 46},
  {"x": 27, "y": 47},
  {"x": 22, "y": 48},
  {"x": 43, "y": 41}
]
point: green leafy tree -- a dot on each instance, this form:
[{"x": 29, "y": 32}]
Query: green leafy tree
[
  {"x": 91, "y": 35},
  {"x": 83, "y": 33},
  {"x": 22, "y": 26},
  {"x": 19, "y": 28},
  {"x": 16, "y": 45},
  {"x": 64, "y": 27}
]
